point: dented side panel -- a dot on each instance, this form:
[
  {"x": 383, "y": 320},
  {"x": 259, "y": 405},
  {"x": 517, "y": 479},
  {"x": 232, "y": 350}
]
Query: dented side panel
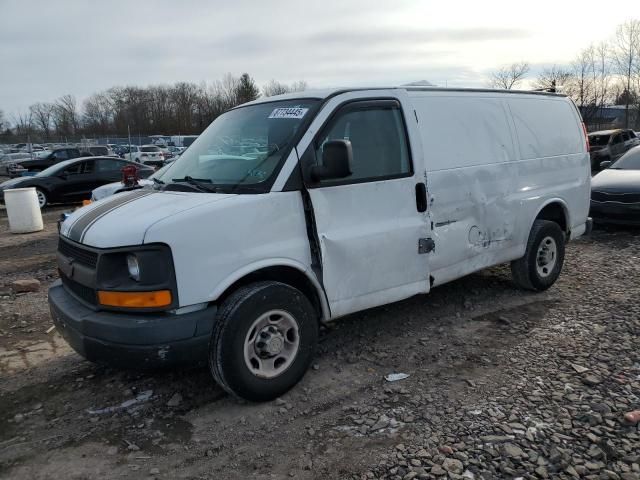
[
  {"x": 491, "y": 172},
  {"x": 370, "y": 232}
]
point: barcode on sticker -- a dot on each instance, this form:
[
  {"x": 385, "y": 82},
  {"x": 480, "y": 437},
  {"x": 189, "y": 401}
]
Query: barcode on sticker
[{"x": 293, "y": 112}]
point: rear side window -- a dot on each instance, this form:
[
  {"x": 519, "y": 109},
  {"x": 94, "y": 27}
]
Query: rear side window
[
  {"x": 109, "y": 165},
  {"x": 74, "y": 169},
  {"x": 378, "y": 141},
  {"x": 61, "y": 155},
  {"x": 89, "y": 166},
  {"x": 546, "y": 127},
  {"x": 599, "y": 140}
]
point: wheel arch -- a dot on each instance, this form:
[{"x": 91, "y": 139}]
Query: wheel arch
[
  {"x": 554, "y": 210},
  {"x": 286, "y": 271}
]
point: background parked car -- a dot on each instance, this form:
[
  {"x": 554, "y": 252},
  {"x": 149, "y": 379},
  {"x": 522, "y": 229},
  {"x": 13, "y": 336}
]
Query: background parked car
[
  {"x": 615, "y": 192},
  {"x": 149, "y": 155},
  {"x": 9, "y": 159},
  {"x": 39, "y": 164},
  {"x": 73, "y": 180},
  {"x": 99, "y": 150},
  {"x": 609, "y": 145},
  {"x": 125, "y": 150}
]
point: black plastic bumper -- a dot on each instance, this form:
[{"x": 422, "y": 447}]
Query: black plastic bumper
[
  {"x": 615, "y": 213},
  {"x": 130, "y": 340}
]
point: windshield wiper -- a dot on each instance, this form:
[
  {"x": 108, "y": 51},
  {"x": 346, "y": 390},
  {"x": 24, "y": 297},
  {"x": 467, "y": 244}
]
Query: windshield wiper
[
  {"x": 200, "y": 183},
  {"x": 157, "y": 181}
]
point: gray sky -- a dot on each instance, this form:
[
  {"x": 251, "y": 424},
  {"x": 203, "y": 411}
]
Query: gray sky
[{"x": 52, "y": 48}]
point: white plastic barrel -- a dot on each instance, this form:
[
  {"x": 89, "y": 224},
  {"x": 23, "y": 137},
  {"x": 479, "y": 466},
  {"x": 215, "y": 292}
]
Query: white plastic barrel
[{"x": 23, "y": 210}]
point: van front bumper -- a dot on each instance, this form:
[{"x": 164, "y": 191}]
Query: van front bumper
[{"x": 135, "y": 341}]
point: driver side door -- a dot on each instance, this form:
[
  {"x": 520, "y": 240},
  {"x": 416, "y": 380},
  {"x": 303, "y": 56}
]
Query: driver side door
[{"x": 372, "y": 226}]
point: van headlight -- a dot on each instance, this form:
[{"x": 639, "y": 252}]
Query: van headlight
[
  {"x": 134, "y": 267},
  {"x": 140, "y": 277}
]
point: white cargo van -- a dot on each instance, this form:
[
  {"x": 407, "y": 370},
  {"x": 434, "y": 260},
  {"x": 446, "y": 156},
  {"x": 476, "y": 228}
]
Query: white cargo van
[{"x": 295, "y": 210}]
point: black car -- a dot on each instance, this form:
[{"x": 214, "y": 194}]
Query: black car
[
  {"x": 615, "y": 192},
  {"x": 73, "y": 180},
  {"x": 38, "y": 164},
  {"x": 99, "y": 151}
]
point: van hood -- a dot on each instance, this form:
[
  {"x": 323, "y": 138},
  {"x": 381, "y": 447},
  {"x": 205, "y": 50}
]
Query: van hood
[{"x": 123, "y": 219}]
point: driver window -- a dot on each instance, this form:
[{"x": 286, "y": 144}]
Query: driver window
[
  {"x": 378, "y": 142},
  {"x": 617, "y": 139},
  {"x": 72, "y": 169}
]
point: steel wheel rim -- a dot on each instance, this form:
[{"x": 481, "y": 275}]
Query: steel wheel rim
[
  {"x": 42, "y": 200},
  {"x": 547, "y": 256},
  {"x": 271, "y": 344}
]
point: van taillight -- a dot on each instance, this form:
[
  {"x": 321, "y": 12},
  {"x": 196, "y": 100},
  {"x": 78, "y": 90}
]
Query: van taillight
[{"x": 586, "y": 137}]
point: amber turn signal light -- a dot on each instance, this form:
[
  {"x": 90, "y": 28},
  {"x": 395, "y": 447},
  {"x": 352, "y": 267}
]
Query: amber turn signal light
[{"x": 159, "y": 298}]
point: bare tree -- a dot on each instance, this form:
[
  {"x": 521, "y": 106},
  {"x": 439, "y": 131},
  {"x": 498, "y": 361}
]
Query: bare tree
[
  {"x": 42, "y": 113},
  {"x": 626, "y": 57},
  {"x": 554, "y": 78},
  {"x": 2, "y": 121},
  {"x": 509, "y": 76},
  {"x": 65, "y": 116},
  {"x": 276, "y": 88},
  {"x": 590, "y": 87},
  {"x": 23, "y": 124}
]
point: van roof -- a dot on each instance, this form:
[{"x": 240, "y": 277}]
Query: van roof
[{"x": 323, "y": 94}]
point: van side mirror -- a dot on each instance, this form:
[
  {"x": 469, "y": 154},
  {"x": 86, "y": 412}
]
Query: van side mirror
[
  {"x": 605, "y": 164},
  {"x": 337, "y": 156}
]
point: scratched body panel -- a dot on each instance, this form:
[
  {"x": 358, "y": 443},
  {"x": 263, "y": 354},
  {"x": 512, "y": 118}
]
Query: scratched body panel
[{"x": 492, "y": 164}]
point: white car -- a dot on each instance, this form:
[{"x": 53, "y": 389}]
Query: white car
[
  {"x": 149, "y": 155},
  {"x": 296, "y": 210}
]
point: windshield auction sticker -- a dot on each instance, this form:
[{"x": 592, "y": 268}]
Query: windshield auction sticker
[{"x": 294, "y": 112}]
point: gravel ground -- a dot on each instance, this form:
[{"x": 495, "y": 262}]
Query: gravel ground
[{"x": 502, "y": 384}]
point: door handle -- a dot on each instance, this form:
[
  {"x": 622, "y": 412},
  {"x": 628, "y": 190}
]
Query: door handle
[{"x": 421, "y": 197}]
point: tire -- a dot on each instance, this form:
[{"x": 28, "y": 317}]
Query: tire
[
  {"x": 542, "y": 262},
  {"x": 235, "y": 360},
  {"x": 42, "y": 198}
]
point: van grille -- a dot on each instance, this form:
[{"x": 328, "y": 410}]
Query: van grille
[
  {"x": 615, "y": 197},
  {"x": 81, "y": 291},
  {"x": 78, "y": 254}
]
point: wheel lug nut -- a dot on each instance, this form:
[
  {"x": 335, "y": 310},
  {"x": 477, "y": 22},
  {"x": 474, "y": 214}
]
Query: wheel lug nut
[
  {"x": 264, "y": 334},
  {"x": 260, "y": 344}
]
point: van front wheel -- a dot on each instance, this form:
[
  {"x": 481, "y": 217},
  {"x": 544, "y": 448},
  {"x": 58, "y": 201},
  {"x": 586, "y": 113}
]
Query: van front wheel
[
  {"x": 541, "y": 264},
  {"x": 263, "y": 340}
]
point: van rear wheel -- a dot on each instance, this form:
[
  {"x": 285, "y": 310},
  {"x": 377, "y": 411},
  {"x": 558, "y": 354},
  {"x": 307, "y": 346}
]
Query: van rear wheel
[
  {"x": 542, "y": 262},
  {"x": 263, "y": 340}
]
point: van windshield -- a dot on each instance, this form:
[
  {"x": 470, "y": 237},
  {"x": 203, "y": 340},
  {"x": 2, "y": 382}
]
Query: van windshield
[{"x": 245, "y": 146}]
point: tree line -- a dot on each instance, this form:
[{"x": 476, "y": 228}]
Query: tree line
[
  {"x": 602, "y": 74},
  {"x": 181, "y": 108},
  {"x": 607, "y": 73}
]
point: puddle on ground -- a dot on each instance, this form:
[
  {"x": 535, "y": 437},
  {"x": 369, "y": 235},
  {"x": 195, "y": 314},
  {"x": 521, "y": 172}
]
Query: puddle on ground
[{"x": 25, "y": 354}]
